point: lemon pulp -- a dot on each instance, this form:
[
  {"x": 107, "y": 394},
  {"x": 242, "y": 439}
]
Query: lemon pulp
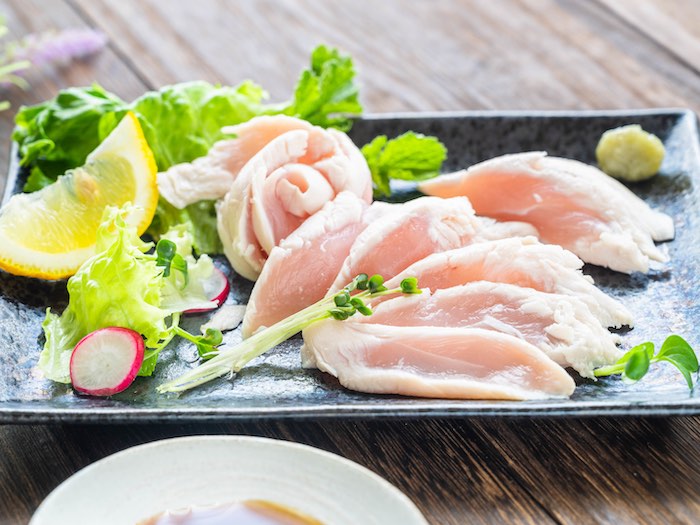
[{"x": 51, "y": 232}]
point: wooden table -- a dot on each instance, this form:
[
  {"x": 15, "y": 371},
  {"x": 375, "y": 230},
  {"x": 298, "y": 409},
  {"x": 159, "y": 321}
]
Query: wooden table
[{"x": 413, "y": 56}]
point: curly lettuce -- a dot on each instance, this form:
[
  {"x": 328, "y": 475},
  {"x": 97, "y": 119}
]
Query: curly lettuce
[{"x": 122, "y": 285}]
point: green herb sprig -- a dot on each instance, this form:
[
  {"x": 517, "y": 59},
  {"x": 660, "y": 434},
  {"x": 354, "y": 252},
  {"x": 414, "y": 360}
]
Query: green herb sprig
[
  {"x": 411, "y": 156},
  {"x": 206, "y": 344},
  {"x": 342, "y": 305},
  {"x": 169, "y": 259},
  {"x": 636, "y": 362}
]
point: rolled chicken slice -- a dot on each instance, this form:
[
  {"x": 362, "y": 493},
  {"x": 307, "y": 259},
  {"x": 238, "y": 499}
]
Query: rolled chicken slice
[{"x": 287, "y": 181}]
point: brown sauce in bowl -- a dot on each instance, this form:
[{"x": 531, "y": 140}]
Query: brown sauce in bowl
[{"x": 251, "y": 512}]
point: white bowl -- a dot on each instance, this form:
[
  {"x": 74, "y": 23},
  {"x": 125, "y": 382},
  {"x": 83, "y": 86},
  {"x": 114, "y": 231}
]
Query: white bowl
[{"x": 207, "y": 470}]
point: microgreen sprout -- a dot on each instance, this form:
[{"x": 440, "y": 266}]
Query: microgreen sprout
[
  {"x": 636, "y": 362},
  {"x": 206, "y": 343},
  {"x": 169, "y": 259},
  {"x": 340, "y": 306}
]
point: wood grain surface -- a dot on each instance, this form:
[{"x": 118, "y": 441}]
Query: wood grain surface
[{"x": 412, "y": 56}]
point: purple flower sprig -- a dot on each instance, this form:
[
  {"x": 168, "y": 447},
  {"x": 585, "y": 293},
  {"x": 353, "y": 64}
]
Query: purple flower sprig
[{"x": 57, "y": 48}]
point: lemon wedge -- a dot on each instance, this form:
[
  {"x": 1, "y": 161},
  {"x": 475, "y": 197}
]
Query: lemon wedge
[{"x": 50, "y": 233}]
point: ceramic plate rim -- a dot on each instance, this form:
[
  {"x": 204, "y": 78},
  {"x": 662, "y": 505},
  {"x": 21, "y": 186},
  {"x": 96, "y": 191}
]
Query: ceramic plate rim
[{"x": 172, "y": 445}]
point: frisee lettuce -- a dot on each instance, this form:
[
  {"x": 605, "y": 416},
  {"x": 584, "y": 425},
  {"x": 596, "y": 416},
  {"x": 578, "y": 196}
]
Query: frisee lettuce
[{"x": 122, "y": 285}]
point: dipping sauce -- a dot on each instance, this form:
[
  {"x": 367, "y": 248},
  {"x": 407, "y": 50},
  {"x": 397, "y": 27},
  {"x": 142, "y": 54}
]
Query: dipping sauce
[{"x": 251, "y": 512}]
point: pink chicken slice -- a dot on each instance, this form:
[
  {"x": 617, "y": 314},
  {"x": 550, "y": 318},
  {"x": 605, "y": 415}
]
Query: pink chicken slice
[
  {"x": 407, "y": 233},
  {"x": 520, "y": 261},
  {"x": 562, "y": 326},
  {"x": 299, "y": 271},
  {"x": 570, "y": 203},
  {"x": 457, "y": 363}
]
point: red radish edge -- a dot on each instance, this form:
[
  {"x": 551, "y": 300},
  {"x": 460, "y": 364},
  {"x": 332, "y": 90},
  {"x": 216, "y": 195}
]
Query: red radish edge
[
  {"x": 216, "y": 289},
  {"x": 106, "y": 361}
]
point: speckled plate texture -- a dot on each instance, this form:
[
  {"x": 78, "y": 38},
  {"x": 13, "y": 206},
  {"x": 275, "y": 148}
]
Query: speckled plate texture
[{"x": 275, "y": 385}]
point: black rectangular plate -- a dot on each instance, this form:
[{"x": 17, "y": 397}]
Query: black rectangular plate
[{"x": 275, "y": 386}]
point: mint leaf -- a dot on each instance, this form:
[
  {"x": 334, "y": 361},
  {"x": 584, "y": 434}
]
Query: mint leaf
[
  {"x": 373, "y": 154},
  {"x": 411, "y": 156}
]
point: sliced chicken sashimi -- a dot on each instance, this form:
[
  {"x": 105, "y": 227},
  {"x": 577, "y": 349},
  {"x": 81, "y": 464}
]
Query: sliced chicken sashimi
[
  {"x": 562, "y": 326},
  {"x": 492, "y": 230},
  {"x": 520, "y": 261},
  {"x": 210, "y": 177},
  {"x": 408, "y": 232},
  {"x": 458, "y": 363},
  {"x": 287, "y": 181},
  {"x": 300, "y": 270},
  {"x": 570, "y": 203}
]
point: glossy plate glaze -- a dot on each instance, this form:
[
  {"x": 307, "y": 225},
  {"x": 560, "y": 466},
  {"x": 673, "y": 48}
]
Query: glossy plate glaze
[
  {"x": 663, "y": 302},
  {"x": 173, "y": 474}
]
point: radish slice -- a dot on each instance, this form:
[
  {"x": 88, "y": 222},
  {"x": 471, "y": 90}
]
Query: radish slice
[
  {"x": 216, "y": 289},
  {"x": 106, "y": 361}
]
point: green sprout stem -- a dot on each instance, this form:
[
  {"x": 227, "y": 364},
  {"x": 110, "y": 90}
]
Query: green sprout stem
[
  {"x": 165, "y": 342},
  {"x": 232, "y": 360},
  {"x": 636, "y": 362}
]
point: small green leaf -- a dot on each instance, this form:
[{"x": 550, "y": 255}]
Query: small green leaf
[
  {"x": 165, "y": 251},
  {"x": 357, "y": 302},
  {"x": 341, "y": 298},
  {"x": 364, "y": 310},
  {"x": 411, "y": 156},
  {"x": 338, "y": 314},
  {"x": 647, "y": 348},
  {"x": 679, "y": 353},
  {"x": 213, "y": 337},
  {"x": 637, "y": 363},
  {"x": 678, "y": 349},
  {"x": 376, "y": 284},
  {"x": 410, "y": 286},
  {"x": 169, "y": 259},
  {"x": 361, "y": 282}
]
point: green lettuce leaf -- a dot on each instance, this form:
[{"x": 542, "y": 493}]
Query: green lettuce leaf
[
  {"x": 119, "y": 286},
  {"x": 181, "y": 122},
  {"x": 180, "y": 294},
  {"x": 59, "y": 134}
]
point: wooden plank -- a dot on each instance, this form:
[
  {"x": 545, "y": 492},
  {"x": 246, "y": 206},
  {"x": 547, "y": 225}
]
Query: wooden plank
[
  {"x": 672, "y": 24},
  {"x": 31, "y": 16},
  {"x": 604, "y": 470},
  {"x": 534, "y": 54},
  {"x": 443, "y": 466}
]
